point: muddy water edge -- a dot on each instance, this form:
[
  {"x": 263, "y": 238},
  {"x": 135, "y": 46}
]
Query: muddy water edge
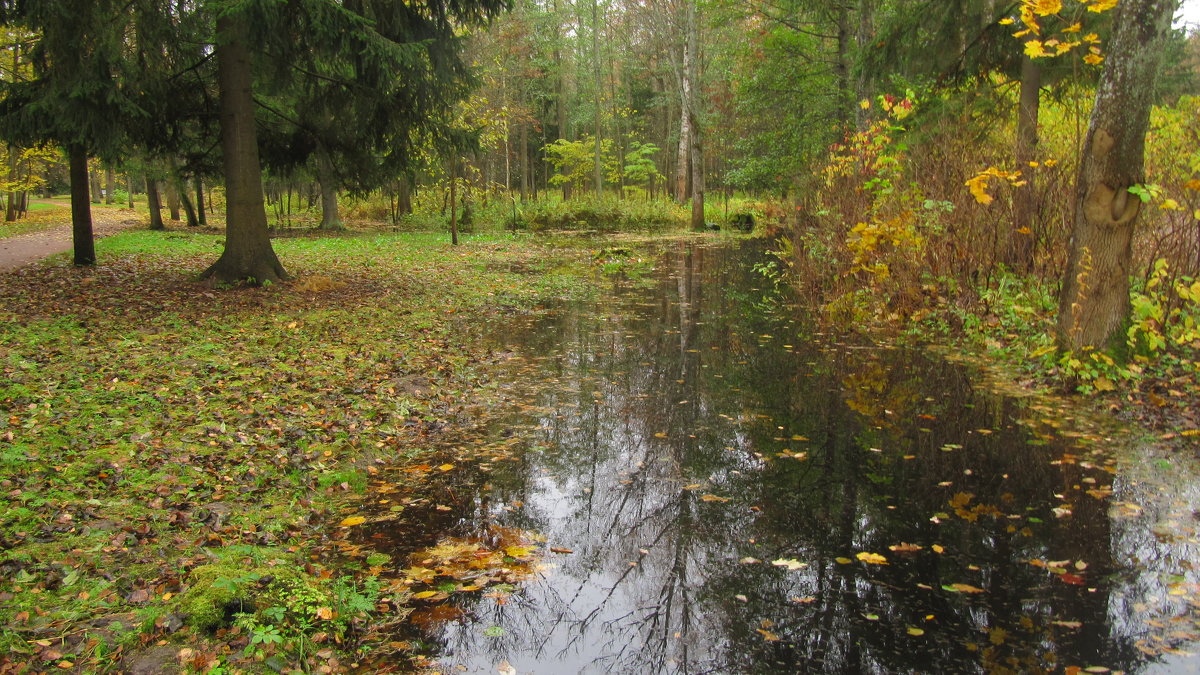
[{"x": 692, "y": 479}]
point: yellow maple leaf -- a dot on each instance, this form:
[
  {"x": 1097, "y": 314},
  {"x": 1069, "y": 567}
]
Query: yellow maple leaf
[
  {"x": 351, "y": 521},
  {"x": 1035, "y": 49},
  {"x": 1093, "y": 59},
  {"x": 1102, "y": 5},
  {"x": 873, "y": 558}
]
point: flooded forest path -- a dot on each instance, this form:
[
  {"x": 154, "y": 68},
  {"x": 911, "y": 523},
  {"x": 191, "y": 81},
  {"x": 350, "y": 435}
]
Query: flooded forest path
[{"x": 692, "y": 479}]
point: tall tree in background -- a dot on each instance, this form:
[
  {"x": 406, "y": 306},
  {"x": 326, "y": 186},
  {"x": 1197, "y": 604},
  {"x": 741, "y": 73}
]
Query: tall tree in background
[
  {"x": 365, "y": 83},
  {"x": 1094, "y": 302},
  {"x": 79, "y": 93},
  {"x": 692, "y": 111}
]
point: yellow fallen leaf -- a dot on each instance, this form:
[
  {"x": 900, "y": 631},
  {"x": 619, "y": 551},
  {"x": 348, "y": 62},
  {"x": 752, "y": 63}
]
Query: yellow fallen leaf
[
  {"x": 351, "y": 521},
  {"x": 962, "y": 588},
  {"x": 768, "y": 635},
  {"x": 872, "y": 558},
  {"x": 843, "y": 561},
  {"x": 937, "y": 548},
  {"x": 424, "y": 594},
  {"x": 446, "y": 467},
  {"x": 713, "y": 498},
  {"x": 916, "y": 632}
]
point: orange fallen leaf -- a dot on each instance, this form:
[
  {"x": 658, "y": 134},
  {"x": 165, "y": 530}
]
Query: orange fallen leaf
[{"x": 768, "y": 635}]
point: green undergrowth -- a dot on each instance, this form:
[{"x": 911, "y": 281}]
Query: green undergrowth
[
  {"x": 167, "y": 449},
  {"x": 1011, "y": 323}
]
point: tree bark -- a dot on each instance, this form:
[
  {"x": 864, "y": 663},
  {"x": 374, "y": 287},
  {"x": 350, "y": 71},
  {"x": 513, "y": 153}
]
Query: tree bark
[
  {"x": 181, "y": 189},
  {"x": 696, "y": 149},
  {"x": 1094, "y": 304},
  {"x": 10, "y": 211},
  {"x": 172, "y": 199},
  {"x": 155, "y": 204},
  {"x": 201, "y": 218},
  {"x": 453, "y": 202},
  {"x": 598, "y": 169},
  {"x": 81, "y": 209},
  {"x": 110, "y": 186},
  {"x": 94, "y": 178},
  {"x": 1019, "y": 247},
  {"x": 248, "y": 255},
  {"x": 330, "y": 219}
]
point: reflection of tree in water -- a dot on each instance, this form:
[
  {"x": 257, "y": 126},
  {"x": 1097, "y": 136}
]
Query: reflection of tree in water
[{"x": 688, "y": 385}]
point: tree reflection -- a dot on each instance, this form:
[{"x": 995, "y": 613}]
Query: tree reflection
[{"x": 688, "y": 443}]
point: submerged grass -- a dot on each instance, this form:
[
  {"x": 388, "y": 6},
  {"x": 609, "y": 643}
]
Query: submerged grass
[{"x": 153, "y": 427}]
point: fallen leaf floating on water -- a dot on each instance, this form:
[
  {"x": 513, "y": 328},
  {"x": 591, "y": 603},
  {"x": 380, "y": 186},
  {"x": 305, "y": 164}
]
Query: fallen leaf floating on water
[
  {"x": 1067, "y": 624},
  {"x": 961, "y": 588},
  {"x": 556, "y": 549},
  {"x": 768, "y": 635},
  {"x": 905, "y": 547},
  {"x": 351, "y": 521},
  {"x": 789, "y": 563},
  {"x": 872, "y": 558},
  {"x": 915, "y": 632},
  {"x": 842, "y": 561},
  {"x": 505, "y": 668},
  {"x": 749, "y": 560},
  {"x": 713, "y": 498}
]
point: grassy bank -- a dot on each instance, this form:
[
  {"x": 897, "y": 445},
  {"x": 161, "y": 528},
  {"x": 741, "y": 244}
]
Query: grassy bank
[{"x": 170, "y": 453}]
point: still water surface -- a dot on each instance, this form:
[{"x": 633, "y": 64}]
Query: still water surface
[{"x": 735, "y": 493}]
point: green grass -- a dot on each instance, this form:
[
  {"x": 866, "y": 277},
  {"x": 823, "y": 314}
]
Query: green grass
[{"x": 149, "y": 421}]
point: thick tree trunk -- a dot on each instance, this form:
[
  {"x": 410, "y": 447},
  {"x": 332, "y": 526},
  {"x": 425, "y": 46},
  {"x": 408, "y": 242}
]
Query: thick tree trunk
[
  {"x": 81, "y": 209},
  {"x": 1019, "y": 248},
  {"x": 201, "y": 218},
  {"x": 155, "y": 204},
  {"x": 248, "y": 255},
  {"x": 186, "y": 201},
  {"x": 330, "y": 219},
  {"x": 1094, "y": 304},
  {"x": 172, "y": 199}
]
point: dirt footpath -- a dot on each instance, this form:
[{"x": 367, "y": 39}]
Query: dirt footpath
[{"x": 24, "y": 249}]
